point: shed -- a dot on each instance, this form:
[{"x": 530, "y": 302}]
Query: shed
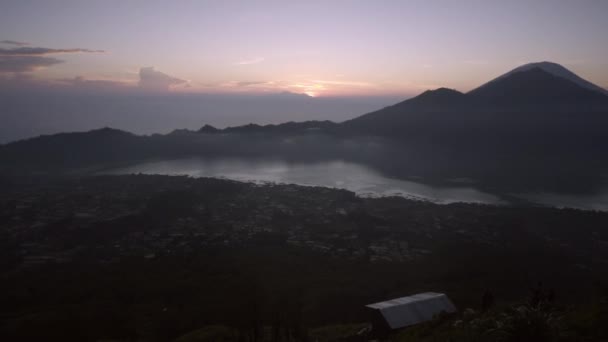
[{"x": 405, "y": 311}]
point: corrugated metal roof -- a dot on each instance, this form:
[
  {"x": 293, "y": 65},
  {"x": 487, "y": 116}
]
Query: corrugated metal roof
[{"x": 405, "y": 311}]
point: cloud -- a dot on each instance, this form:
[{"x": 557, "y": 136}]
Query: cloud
[
  {"x": 154, "y": 80},
  {"x": 28, "y": 59},
  {"x": 14, "y": 42},
  {"x": 250, "y": 83},
  {"x": 40, "y": 51},
  {"x": 250, "y": 61},
  {"x": 16, "y": 64}
]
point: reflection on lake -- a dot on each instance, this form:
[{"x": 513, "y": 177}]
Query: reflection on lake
[{"x": 355, "y": 177}]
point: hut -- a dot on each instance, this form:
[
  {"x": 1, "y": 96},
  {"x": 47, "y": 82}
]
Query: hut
[{"x": 406, "y": 311}]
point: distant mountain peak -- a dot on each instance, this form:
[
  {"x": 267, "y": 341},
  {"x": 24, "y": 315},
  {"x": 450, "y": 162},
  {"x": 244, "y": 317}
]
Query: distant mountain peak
[
  {"x": 439, "y": 96},
  {"x": 534, "y": 85},
  {"x": 441, "y": 91},
  {"x": 208, "y": 129},
  {"x": 552, "y": 68}
]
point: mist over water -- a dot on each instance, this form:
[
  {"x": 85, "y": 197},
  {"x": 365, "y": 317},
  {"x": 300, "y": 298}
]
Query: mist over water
[{"x": 359, "y": 178}]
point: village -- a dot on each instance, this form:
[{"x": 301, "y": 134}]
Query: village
[
  {"x": 40, "y": 221},
  {"x": 109, "y": 217}
]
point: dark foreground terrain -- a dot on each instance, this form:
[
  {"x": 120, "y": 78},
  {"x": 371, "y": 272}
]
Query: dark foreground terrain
[{"x": 155, "y": 258}]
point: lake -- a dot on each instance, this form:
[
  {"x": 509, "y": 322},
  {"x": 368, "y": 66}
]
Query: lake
[{"x": 359, "y": 178}]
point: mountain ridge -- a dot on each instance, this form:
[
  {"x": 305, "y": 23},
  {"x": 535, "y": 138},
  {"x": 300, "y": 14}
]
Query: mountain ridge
[
  {"x": 530, "y": 90},
  {"x": 525, "y": 112}
]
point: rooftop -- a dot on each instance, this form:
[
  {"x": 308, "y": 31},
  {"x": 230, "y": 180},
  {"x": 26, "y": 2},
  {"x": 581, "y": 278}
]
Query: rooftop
[{"x": 410, "y": 310}]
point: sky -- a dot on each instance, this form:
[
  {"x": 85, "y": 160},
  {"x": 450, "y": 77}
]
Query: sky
[{"x": 320, "y": 48}]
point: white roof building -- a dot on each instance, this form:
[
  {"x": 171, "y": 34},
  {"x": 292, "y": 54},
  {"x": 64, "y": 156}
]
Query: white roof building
[{"x": 405, "y": 311}]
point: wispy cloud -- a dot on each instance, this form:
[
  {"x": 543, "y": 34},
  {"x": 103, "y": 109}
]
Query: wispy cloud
[
  {"x": 18, "y": 64},
  {"x": 309, "y": 86},
  {"x": 28, "y": 59},
  {"x": 250, "y": 83},
  {"x": 40, "y": 51},
  {"x": 250, "y": 61},
  {"x": 14, "y": 42}
]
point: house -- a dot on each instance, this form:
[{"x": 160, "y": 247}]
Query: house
[{"x": 406, "y": 311}]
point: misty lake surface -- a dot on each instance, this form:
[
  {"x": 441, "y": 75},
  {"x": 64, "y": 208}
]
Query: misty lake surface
[{"x": 361, "y": 179}]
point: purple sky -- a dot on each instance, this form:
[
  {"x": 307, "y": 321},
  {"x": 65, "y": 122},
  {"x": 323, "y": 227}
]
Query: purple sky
[{"x": 321, "y": 48}]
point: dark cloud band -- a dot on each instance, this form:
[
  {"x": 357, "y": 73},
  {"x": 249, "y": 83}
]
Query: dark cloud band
[
  {"x": 27, "y": 59},
  {"x": 26, "y": 63},
  {"x": 13, "y": 42},
  {"x": 39, "y": 51}
]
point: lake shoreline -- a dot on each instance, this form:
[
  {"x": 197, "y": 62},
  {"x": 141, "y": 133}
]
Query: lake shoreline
[{"x": 358, "y": 178}]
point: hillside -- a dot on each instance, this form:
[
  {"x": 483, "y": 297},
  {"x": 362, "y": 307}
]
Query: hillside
[{"x": 152, "y": 258}]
